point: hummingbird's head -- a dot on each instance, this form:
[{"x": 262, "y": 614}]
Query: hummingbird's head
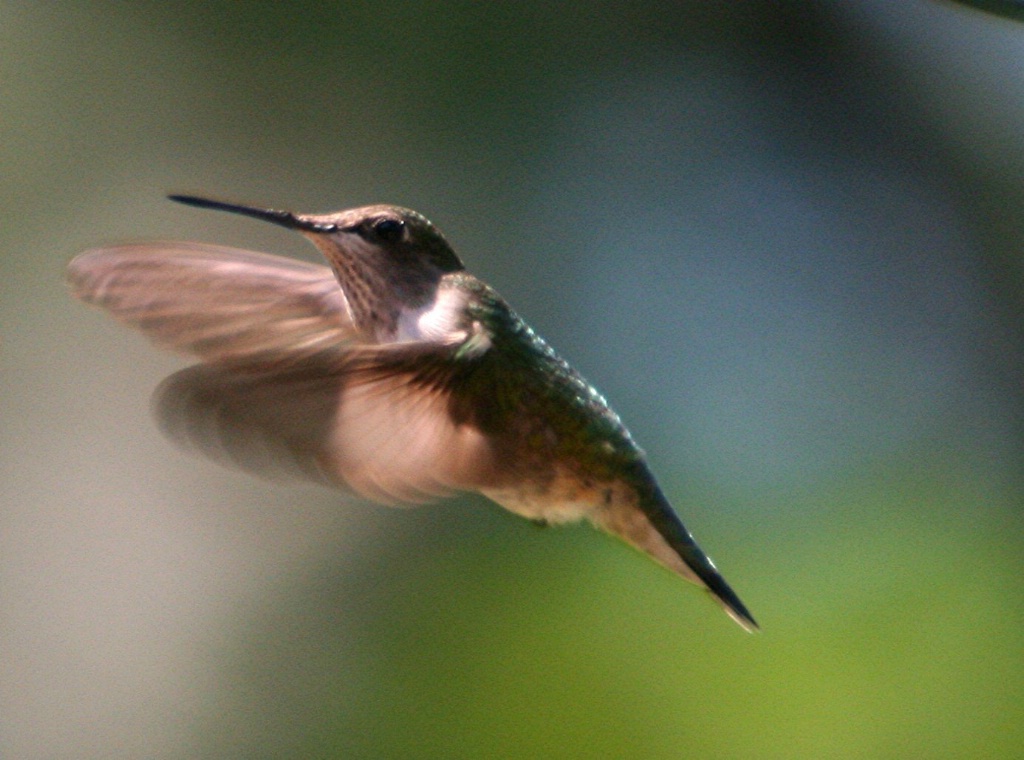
[{"x": 388, "y": 260}]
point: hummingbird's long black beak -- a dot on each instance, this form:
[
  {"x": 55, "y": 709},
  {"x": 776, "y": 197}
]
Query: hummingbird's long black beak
[{"x": 283, "y": 218}]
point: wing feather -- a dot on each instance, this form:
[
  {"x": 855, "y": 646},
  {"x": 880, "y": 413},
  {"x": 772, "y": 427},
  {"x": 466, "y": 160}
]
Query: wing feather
[
  {"x": 224, "y": 305},
  {"x": 361, "y": 426},
  {"x": 285, "y": 389}
]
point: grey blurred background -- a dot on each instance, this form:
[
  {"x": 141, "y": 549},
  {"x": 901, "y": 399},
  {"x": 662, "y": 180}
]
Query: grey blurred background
[{"x": 784, "y": 239}]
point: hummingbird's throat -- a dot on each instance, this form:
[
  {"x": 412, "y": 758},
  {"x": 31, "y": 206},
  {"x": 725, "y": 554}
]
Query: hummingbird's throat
[
  {"x": 393, "y": 301},
  {"x": 373, "y": 313}
]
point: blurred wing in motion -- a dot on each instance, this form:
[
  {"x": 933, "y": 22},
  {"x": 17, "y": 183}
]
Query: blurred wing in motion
[
  {"x": 273, "y": 425},
  {"x": 285, "y": 390},
  {"x": 225, "y": 305},
  {"x": 360, "y": 426}
]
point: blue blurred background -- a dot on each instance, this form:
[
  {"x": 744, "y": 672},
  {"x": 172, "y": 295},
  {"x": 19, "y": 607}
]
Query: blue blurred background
[{"x": 784, "y": 239}]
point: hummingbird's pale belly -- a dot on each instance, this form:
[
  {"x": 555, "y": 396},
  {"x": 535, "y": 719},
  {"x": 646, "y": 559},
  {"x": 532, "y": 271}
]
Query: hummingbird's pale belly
[
  {"x": 563, "y": 497},
  {"x": 547, "y": 508},
  {"x": 612, "y": 506}
]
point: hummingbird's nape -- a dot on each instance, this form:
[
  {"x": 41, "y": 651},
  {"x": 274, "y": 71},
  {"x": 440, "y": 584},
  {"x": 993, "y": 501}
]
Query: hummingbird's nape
[
  {"x": 283, "y": 218},
  {"x": 393, "y": 373}
]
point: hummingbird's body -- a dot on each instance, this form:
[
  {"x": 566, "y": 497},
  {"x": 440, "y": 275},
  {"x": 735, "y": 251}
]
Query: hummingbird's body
[{"x": 411, "y": 380}]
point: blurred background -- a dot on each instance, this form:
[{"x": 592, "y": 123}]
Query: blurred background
[{"x": 784, "y": 239}]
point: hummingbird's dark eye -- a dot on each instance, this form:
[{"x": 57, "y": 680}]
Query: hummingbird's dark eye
[{"x": 389, "y": 230}]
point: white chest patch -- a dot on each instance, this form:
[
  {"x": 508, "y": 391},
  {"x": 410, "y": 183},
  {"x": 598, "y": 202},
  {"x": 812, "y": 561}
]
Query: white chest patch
[
  {"x": 442, "y": 322},
  {"x": 437, "y": 322}
]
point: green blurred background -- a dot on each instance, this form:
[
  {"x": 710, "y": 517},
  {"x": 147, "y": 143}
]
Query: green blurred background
[{"x": 783, "y": 238}]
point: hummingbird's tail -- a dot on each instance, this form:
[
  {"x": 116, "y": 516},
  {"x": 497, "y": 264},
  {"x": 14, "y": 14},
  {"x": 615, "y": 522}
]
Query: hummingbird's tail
[{"x": 651, "y": 525}]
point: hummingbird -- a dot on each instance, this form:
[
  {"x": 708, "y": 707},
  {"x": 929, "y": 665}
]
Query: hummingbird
[{"x": 392, "y": 372}]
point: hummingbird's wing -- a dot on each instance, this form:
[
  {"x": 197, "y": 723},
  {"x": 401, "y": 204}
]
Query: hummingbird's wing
[
  {"x": 273, "y": 425},
  {"x": 357, "y": 424},
  {"x": 225, "y": 305},
  {"x": 284, "y": 390}
]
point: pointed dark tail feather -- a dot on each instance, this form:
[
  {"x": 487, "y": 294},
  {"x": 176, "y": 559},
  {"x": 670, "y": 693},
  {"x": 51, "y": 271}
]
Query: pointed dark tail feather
[
  {"x": 670, "y": 527},
  {"x": 679, "y": 538}
]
